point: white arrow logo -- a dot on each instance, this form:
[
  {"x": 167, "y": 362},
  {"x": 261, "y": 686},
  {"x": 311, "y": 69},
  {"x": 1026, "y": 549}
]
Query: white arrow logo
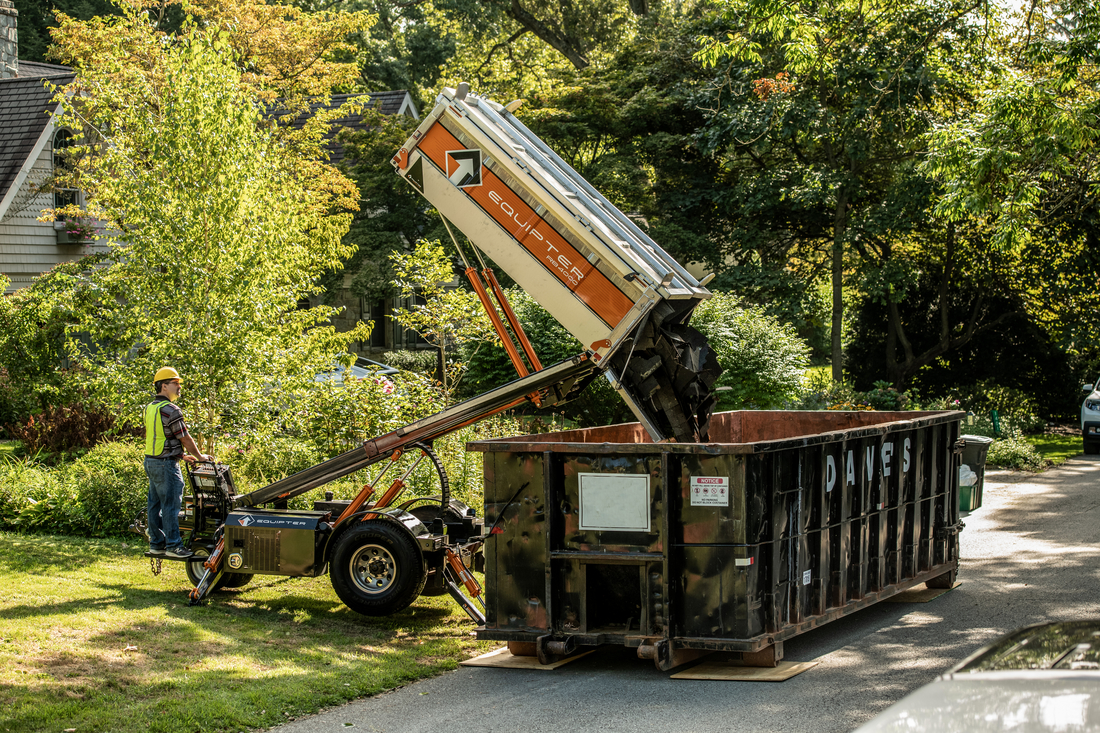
[{"x": 464, "y": 167}]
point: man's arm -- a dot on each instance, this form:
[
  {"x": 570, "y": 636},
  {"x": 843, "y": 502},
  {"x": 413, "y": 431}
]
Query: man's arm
[
  {"x": 175, "y": 425},
  {"x": 190, "y": 446}
]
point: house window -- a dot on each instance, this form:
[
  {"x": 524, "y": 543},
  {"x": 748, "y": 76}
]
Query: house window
[
  {"x": 378, "y": 314},
  {"x": 62, "y": 140},
  {"x": 407, "y": 338}
]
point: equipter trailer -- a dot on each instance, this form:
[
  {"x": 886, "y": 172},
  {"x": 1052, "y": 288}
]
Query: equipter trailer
[{"x": 584, "y": 261}]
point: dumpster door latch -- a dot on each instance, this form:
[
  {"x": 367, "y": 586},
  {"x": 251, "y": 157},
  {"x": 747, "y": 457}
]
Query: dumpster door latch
[{"x": 957, "y": 448}]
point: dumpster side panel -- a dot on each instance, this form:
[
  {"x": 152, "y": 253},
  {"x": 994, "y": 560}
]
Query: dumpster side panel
[
  {"x": 612, "y": 485},
  {"x": 516, "y": 557}
]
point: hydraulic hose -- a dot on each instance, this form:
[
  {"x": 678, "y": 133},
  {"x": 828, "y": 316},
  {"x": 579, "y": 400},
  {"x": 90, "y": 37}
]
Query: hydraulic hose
[{"x": 444, "y": 484}]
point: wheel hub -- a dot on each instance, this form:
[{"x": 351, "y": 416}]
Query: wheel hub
[{"x": 373, "y": 568}]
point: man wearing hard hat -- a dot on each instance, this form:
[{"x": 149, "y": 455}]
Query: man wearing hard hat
[{"x": 166, "y": 437}]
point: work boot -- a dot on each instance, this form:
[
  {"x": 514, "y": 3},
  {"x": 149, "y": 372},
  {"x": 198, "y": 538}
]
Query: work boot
[{"x": 178, "y": 553}]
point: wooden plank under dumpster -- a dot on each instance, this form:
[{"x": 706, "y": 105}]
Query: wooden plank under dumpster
[{"x": 786, "y": 521}]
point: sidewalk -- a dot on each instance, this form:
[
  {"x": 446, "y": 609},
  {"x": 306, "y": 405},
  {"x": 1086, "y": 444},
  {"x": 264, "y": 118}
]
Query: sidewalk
[{"x": 1029, "y": 554}]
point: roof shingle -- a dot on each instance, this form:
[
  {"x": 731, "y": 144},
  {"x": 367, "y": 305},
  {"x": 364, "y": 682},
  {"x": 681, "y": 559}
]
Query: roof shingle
[
  {"x": 388, "y": 103},
  {"x": 25, "y": 104}
]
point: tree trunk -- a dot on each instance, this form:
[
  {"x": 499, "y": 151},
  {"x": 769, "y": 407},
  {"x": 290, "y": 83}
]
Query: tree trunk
[{"x": 840, "y": 224}]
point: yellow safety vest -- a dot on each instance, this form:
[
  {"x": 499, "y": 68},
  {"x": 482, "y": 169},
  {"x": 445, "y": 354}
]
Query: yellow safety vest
[{"x": 154, "y": 428}]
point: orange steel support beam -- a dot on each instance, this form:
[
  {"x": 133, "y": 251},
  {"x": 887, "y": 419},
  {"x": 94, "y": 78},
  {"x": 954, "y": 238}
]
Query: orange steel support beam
[
  {"x": 498, "y": 325},
  {"x": 357, "y": 502},
  {"x": 462, "y": 573},
  {"x": 517, "y": 329}
]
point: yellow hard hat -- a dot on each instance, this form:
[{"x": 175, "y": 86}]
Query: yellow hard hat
[{"x": 166, "y": 373}]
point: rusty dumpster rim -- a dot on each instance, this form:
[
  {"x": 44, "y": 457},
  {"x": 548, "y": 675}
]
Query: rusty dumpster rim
[{"x": 920, "y": 419}]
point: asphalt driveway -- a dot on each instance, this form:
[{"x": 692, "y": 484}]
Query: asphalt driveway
[{"x": 1029, "y": 554}]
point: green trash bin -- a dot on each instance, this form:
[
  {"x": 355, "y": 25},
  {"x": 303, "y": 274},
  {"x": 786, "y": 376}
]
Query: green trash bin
[{"x": 974, "y": 451}]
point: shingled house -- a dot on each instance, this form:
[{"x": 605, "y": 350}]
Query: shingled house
[{"x": 29, "y": 141}]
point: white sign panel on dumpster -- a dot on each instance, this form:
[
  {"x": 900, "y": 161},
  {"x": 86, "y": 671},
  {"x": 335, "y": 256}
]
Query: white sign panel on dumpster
[
  {"x": 614, "y": 502},
  {"x": 710, "y": 491}
]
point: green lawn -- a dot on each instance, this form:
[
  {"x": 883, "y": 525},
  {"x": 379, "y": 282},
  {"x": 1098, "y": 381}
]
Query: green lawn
[
  {"x": 7, "y": 447},
  {"x": 90, "y": 640},
  {"x": 1056, "y": 448}
]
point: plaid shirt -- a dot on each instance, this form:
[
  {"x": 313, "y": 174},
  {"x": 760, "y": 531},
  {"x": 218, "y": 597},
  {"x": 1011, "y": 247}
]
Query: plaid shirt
[{"x": 175, "y": 429}]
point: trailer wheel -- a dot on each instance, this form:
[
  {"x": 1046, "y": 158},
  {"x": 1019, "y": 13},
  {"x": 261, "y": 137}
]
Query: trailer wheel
[
  {"x": 377, "y": 569},
  {"x": 235, "y": 580}
]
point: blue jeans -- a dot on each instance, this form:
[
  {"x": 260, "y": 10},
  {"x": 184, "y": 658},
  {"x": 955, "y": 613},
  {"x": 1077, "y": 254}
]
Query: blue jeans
[{"x": 165, "y": 495}]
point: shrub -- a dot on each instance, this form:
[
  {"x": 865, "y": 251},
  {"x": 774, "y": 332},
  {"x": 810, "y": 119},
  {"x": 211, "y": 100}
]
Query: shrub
[
  {"x": 16, "y": 402},
  {"x": 763, "y": 360},
  {"x": 34, "y": 498},
  {"x": 1012, "y": 405},
  {"x": 1012, "y": 451},
  {"x": 885, "y": 397},
  {"x": 269, "y": 460},
  {"x": 338, "y": 416},
  {"x": 110, "y": 484},
  {"x": 424, "y": 362},
  {"x": 61, "y": 429}
]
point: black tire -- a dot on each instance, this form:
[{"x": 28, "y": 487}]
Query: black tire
[
  {"x": 377, "y": 568},
  {"x": 1091, "y": 448},
  {"x": 235, "y": 580}
]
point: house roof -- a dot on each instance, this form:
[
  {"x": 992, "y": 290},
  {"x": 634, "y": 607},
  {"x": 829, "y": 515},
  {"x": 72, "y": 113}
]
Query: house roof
[
  {"x": 388, "y": 103},
  {"x": 36, "y": 70},
  {"x": 25, "y": 102}
]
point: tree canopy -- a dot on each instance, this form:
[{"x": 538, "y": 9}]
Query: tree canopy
[
  {"x": 902, "y": 181},
  {"x": 219, "y": 219}
]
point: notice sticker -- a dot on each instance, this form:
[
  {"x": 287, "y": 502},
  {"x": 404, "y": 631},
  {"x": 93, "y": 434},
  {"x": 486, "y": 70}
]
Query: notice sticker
[
  {"x": 710, "y": 491},
  {"x": 806, "y": 577}
]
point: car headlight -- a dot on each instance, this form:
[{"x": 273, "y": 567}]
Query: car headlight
[{"x": 1093, "y": 405}]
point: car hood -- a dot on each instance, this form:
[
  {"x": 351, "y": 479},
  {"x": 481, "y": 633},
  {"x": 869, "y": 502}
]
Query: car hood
[{"x": 1021, "y": 701}]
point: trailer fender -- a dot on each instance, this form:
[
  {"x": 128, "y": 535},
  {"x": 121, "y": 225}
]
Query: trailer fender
[{"x": 403, "y": 519}]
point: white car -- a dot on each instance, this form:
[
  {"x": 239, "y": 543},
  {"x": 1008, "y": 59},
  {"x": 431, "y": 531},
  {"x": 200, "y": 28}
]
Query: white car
[
  {"x": 1090, "y": 418},
  {"x": 1040, "y": 679}
]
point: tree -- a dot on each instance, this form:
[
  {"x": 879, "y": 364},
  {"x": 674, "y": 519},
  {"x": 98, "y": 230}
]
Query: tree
[
  {"x": 218, "y": 226},
  {"x": 573, "y": 29},
  {"x": 448, "y": 317},
  {"x": 395, "y": 215},
  {"x": 33, "y": 325},
  {"x": 36, "y": 18},
  {"x": 820, "y": 120},
  {"x": 762, "y": 359},
  {"x": 1027, "y": 153}
]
